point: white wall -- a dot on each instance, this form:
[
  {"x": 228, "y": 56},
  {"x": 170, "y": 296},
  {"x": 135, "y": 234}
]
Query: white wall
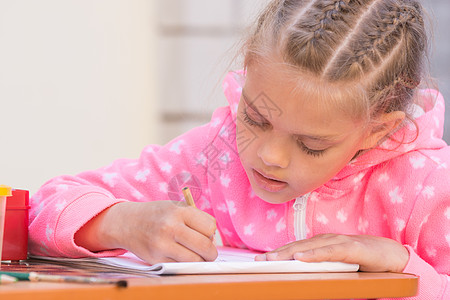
[
  {"x": 440, "y": 57},
  {"x": 77, "y": 86},
  {"x": 197, "y": 41}
]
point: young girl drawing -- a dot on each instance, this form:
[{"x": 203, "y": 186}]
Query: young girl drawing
[{"x": 328, "y": 150}]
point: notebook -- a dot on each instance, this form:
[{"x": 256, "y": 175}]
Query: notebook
[{"x": 229, "y": 261}]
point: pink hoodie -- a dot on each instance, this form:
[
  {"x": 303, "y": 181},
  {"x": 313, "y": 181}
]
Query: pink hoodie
[{"x": 400, "y": 193}]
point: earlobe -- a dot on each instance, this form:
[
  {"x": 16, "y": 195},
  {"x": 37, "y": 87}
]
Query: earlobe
[{"x": 385, "y": 124}]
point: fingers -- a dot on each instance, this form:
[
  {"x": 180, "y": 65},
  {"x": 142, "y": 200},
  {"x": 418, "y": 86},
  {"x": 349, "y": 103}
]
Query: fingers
[
  {"x": 197, "y": 243},
  {"x": 177, "y": 243},
  {"x": 190, "y": 233},
  {"x": 287, "y": 252},
  {"x": 169, "y": 253},
  {"x": 324, "y": 247},
  {"x": 370, "y": 252},
  {"x": 167, "y": 231},
  {"x": 198, "y": 236},
  {"x": 200, "y": 221},
  {"x": 334, "y": 252}
]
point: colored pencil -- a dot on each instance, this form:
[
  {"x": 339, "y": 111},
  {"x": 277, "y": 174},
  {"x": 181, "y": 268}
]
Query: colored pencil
[
  {"x": 34, "y": 276},
  {"x": 7, "y": 279}
]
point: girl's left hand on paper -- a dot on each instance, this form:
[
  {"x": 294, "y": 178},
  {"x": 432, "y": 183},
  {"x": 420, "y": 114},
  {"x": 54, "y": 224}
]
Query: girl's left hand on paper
[{"x": 372, "y": 253}]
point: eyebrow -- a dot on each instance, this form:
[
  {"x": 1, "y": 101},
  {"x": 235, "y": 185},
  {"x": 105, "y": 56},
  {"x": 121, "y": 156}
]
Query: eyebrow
[{"x": 318, "y": 138}]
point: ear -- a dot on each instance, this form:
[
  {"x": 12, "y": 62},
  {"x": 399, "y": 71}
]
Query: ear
[{"x": 383, "y": 126}]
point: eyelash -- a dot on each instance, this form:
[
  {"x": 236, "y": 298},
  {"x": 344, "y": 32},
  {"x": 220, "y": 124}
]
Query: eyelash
[
  {"x": 315, "y": 153},
  {"x": 251, "y": 122}
]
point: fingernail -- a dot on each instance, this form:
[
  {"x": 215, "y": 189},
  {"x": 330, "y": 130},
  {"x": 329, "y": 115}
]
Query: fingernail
[{"x": 260, "y": 257}]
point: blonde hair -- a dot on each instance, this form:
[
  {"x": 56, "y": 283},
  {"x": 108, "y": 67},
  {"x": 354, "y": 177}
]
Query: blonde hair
[{"x": 377, "y": 49}]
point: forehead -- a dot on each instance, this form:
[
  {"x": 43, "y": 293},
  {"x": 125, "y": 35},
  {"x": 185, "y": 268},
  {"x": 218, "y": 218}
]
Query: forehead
[{"x": 295, "y": 102}]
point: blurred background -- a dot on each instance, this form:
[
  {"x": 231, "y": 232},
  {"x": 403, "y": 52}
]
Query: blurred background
[{"x": 84, "y": 82}]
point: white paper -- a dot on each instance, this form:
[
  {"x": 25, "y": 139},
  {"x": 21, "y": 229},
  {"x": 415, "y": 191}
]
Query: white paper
[{"x": 229, "y": 261}]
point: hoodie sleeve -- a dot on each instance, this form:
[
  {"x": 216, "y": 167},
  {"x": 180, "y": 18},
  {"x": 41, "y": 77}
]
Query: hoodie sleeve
[
  {"x": 64, "y": 204},
  {"x": 427, "y": 235}
]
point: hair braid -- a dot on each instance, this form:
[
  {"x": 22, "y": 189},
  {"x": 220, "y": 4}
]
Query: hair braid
[
  {"x": 331, "y": 11},
  {"x": 375, "y": 49},
  {"x": 315, "y": 37},
  {"x": 374, "y": 43}
]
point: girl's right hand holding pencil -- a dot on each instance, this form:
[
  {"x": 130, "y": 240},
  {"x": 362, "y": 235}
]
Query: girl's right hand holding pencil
[{"x": 159, "y": 231}]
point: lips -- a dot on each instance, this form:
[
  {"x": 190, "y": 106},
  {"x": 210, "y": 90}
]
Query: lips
[{"x": 268, "y": 183}]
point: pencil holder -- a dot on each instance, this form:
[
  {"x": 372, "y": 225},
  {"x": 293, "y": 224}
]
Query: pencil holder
[
  {"x": 5, "y": 191},
  {"x": 15, "y": 236}
]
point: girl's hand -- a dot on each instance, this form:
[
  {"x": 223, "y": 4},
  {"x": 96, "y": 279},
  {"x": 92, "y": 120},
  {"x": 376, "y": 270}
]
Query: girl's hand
[
  {"x": 372, "y": 253},
  {"x": 159, "y": 231}
]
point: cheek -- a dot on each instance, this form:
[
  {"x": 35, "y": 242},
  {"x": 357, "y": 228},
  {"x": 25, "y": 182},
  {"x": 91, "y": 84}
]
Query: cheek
[
  {"x": 314, "y": 172},
  {"x": 333, "y": 163},
  {"x": 246, "y": 138}
]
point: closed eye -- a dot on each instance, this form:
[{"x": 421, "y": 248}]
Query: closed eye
[
  {"x": 309, "y": 151},
  {"x": 249, "y": 120}
]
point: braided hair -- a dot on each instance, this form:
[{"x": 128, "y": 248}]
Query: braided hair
[{"x": 376, "y": 46}]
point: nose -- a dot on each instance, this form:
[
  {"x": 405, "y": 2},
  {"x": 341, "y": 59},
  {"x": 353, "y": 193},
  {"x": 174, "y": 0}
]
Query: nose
[{"x": 274, "y": 152}]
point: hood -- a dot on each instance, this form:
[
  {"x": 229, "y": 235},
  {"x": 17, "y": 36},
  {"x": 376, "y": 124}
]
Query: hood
[{"x": 425, "y": 134}]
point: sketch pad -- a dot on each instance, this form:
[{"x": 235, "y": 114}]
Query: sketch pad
[{"x": 229, "y": 261}]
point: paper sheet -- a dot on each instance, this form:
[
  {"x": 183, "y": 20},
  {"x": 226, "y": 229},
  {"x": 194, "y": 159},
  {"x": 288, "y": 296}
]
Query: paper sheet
[{"x": 229, "y": 261}]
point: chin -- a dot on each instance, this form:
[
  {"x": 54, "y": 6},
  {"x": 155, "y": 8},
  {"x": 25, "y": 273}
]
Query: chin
[{"x": 272, "y": 198}]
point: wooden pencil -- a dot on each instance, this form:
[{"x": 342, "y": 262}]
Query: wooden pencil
[
  {"x": 33, "y": 276},
  {"x": 188, "y": 196},
  {"x": 7, "y": 279}
]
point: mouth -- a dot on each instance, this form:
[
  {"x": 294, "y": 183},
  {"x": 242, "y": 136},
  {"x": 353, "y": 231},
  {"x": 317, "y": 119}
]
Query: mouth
[{"x": 268, "y": 183}]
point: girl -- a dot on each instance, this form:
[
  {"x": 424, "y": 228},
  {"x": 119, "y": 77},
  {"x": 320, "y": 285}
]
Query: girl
[{"x": 327, "y": 151}]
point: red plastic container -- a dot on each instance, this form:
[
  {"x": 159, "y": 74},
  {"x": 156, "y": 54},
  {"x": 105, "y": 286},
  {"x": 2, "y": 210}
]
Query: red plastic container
[{"x": 15, "y": 236}]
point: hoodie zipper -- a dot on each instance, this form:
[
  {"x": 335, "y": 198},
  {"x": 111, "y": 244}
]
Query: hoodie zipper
[{"x": 300, "y": 217}]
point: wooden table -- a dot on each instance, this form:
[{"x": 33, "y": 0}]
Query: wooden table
[{"x": 227, "y": 287}]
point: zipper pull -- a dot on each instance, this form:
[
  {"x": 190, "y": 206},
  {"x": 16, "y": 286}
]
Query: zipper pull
[
  {"x": 300, "y": 217},
  {"x": 300, "y": 203}
]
